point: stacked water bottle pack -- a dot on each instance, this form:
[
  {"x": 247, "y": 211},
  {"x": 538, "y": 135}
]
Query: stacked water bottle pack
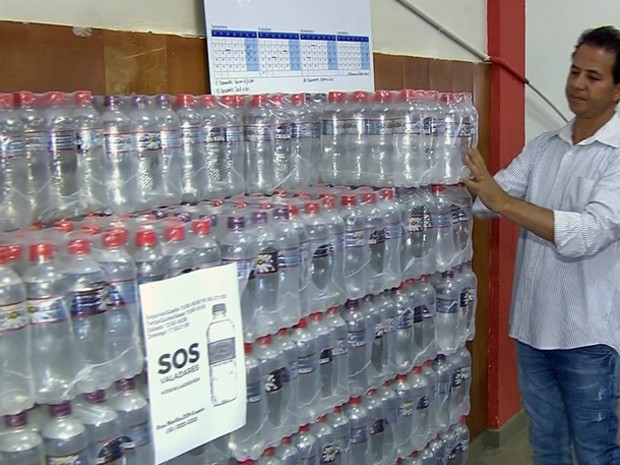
[{"x": 66, "y": 155}]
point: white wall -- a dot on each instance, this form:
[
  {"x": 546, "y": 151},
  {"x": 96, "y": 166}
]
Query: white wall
[
  {"x": 395, "y": 29},
  {"x": 552, "y": 29}
]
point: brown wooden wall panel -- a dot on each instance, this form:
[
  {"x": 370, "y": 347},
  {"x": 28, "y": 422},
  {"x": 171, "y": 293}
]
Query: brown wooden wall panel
[{"x": 41, "y": 58}]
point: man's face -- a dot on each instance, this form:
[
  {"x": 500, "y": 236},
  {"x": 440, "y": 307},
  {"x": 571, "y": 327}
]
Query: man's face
[{"x": 590, "y": 88}]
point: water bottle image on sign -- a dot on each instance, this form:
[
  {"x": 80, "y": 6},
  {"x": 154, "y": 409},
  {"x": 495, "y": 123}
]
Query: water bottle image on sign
[{"x": 222, "y": 357}]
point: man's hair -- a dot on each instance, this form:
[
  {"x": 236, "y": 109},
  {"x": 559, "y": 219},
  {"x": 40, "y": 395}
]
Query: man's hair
[{"x": 606, "y": 37}]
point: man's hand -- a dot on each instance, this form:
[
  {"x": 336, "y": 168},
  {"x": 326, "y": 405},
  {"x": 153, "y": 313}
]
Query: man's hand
[{"x": 481, "y": 184}]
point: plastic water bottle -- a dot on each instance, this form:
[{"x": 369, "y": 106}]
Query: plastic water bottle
[
  {"x": 471, "y": 283},
  {"x": 452, "y": 157},
  {"x": 336, "y": 234},
  {"x": 356, "y": 128},
  {"x": 333, "y": 140},
  {"x": 428, "y": 299},
  {"x": 307, "y": 445},
  {"x": 283, "y": 162},
  {"x": 305, "y": 143},
  {"x": 357, "y": 250},
  {"x": 378, "y": 369},
  {"x": 103, "y": 428},
  {"x": 360, "y": 431},
  {"x": 91, "y": 154},
  {"x": 286, "y": 346},
  {"x": 133, "y": 413},
  {"x": 450, "y": 322},
  {"x": 56, "y": 358},
  {"x": 233, "y": 179},
  {"x": 19, "y": 444},
  {"x": 441, "y": 218},
  {"x": 289, "y": 270},
  {"x": 359, "y": 355},
  {"x": 411, "y": 162},
  {"x": 340, "y": 354},
  {"x": 322, "y": 261},
  {"x": 461, "y": 433},
  {"x": 88, "y": 287},
  {"x": 269, "y": 457},
  {"x": 382, "y": 445},
  {"x": 326, "y": 445},
  {"x": 260, "y": 145},
  {"x": 325, "y": 344},
  {"x": 433, "y": 134},
  {"x": 15, "y": 342},
  {"x": 380, "y": 164},
  {"x": 122, "y": 317},
  {"x": 341, "y": 426},
  {"x": 206, "y": 249},
  {"x": 64, "y": 437},
  {"x": 308, "y": 356},
  {"x": 148, "y": 257},
  {"x": 389, "y": 314},
  {"x": 215, "y": 159},
  {"x": 462, "y": 221},
  {"x": 171, "y": 149},
  {"x": 422, "y": 415},
  {"x": 287, "y": 452},
  {"x": 406, "y": 408},
  {"x": 248, "y": 441},
  {"x": 375, "y": 227},
  {"x": 121, "y": 157},
  {"x": 194, "y": 167},
  {"x": 393, "y": 223},
  {"x": 239, "y": 247},
  {"x": 404, "y": 330},
  {"x": 389, "y": 400},
  {"x": 222, "y": 357},
  {"x": 444, "y": 383},
  {"x": 36, "y": 137},
  {"x": 16, "y": 207},
  {"x": 179, "y": 254},
  {"x": 304, "y": 260},
  {"x": 418, "y": 252},
  {"x": 461, "y": 384}
]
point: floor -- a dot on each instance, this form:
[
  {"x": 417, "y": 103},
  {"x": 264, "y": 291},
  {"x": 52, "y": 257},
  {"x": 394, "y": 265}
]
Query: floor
[{"x": 516, "y": 452}]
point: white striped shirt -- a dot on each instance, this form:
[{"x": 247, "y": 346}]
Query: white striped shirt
[{"x": 567, "y": 295}]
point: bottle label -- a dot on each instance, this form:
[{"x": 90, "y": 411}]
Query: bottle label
[
  {"x": 321, "y": 249},
  {"x": 36, "y": 141},
  {"x": 442, "y": 220},
  {"x": 422, "y": 403},
  {"x": 418, "y": 314},
  {"x": 426, "y": 312},
  {"x": 266, "y": 263},
  {"x": 87, "y": 139},
  {"x": 464, "y": 298},
  {"x": 89, "y": 302},
  {"x": 303, "y": 130},
  {"x": 356, "y": 339},
  {"x": 304, "y": 253},
  {"x": 432, "y": 126},
  {"x": 283, "y": 131},
  {"x": 455, "y": 214},
  {"x": 341, "y": 348},
  {"x": 191, "y": 136},
  {"x": 62, "y": 141},
  {"x": 447, "y": 305},
  {"x": 329, "y": 454},
  {"x": 258, "y": 132},
  {"x": 233, "y": 133},
  {"x": 116, "y": 144},
  {"x": 380, "y": 127},
  {"x": 392, "y": 231},
  {"x": 377, "y": 427},
  {"x": 139, "y": 436},
  {"x": 376, "y": 236},
  {"x": 465, "y": 214},
  {"x": 121, "y": 293},
  {"x": 410, "y": 126},
  {"x": 110, "y": 452},
  {"x": 326, "y": 356},
  {"x": 44, "y": 311},
  {"x": 457, "y": 378},
  {"x": 443, "y": 386},
  {"x": 13, "y": 317},
  {"x": 389, "y": 325},
  {"x": 379, "y": 331},
  {"x": 405, "y": 409},
  {"x": 359, "y": 435},
  {"x": 81, "y": 458},
  {"x": 465, "y": 373},
  {"x": 273, "y": 381},
  {"x": 214, "y": 135},
  {"x": 404, "y": 320},
  {"x": 420, "y": 220},
  {"x": 451, "y": 129},
  {"x": 170, "y": 139},
  {"x": 339, "y": 242},
  {"x": 221, "y": 352},
  {"x": 148, "y": 141},
  {"x": 12, "y": 146},
  {"x": 329, "y": 128},
  {"x": 355, "y": 238},
  {"x": 288, "y": 258},
  {"x": 244, "y": 267},
  {"x": 254, "y": 393},
  {"x": 290, "y": 372},
  {"x": 306, "y": 364},
  {"x": 466, "y": 129}
]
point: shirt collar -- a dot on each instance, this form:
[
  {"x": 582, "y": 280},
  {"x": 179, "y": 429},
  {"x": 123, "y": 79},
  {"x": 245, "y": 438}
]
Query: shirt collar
[{"x": 609, "y": 134}]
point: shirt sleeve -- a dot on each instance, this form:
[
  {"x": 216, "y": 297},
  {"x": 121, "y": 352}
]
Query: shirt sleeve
[{"x": 582, "y": 234}]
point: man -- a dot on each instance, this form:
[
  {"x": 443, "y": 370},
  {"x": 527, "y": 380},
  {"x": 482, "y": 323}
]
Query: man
[{"x": 563, "y": 190}]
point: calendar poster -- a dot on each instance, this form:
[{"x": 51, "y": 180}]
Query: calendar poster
[{"x": 257, "y": 46}]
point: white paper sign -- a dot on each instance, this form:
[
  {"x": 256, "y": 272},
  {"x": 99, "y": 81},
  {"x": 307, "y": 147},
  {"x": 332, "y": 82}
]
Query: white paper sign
[
  {"x": 196, "y": 371},
  {"x": 257, "y": 46}
]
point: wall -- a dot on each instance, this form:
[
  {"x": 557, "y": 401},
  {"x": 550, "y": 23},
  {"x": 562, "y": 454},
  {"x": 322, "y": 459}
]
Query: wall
[
  {"x": 547, "y": 66},
  {"x": 395, "y": 29}
]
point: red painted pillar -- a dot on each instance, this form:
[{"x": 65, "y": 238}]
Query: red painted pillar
[{"x": 506, "y": 41}]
